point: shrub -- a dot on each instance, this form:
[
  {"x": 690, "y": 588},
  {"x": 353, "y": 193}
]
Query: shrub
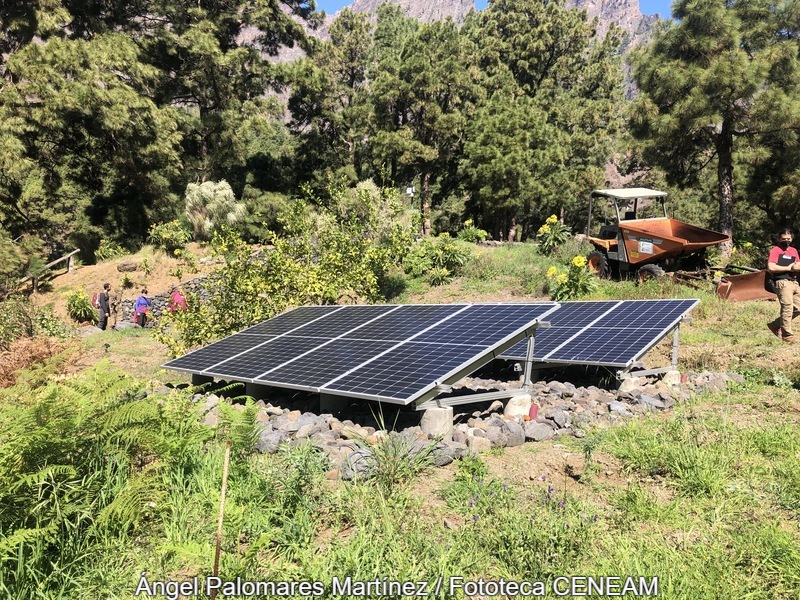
[
  {"x": 107, "y": 250},
  {"x": 438, "y": 259},
  {"x": 169, "y": 236},
  {"x": 551, "y": 235},
  {"x": 471, "y": 234},
  {"x": 323, "y": 257},
  {"x": 576, "y": 282},
  {"x": 79, "y": 308}
]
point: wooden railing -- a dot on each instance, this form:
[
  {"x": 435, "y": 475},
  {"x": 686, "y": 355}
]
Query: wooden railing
[{"x": 70, "y": 258}]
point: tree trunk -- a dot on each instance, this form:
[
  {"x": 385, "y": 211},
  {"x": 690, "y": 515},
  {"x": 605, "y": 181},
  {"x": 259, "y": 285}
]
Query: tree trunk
[
  {"x": 425, "y": 200},
  {"x": 512, "y": 230},
  {"x": 725, "y": 182}
]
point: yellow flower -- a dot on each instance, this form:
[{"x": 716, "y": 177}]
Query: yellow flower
[
  {"x": 579, "y": 261},
  {"x": 552, "y": 272},
  {"x": 747, "y": 245},
  {"x": 562, "y": 278},
  {"x": 544, "y": 229},
  {"x": 468, "y": 223},
  {"x": 552, "y": 220}
]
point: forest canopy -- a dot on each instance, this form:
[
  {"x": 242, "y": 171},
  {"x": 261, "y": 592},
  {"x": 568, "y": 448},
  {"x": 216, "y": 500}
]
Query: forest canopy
[{"x": 112, "y": 113}]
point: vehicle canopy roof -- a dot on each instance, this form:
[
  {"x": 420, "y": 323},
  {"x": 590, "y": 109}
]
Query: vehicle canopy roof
[{"x": 629, "y": 193}]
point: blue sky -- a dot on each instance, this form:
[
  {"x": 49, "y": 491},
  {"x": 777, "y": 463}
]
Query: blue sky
[{"x": 648, "y": 7}]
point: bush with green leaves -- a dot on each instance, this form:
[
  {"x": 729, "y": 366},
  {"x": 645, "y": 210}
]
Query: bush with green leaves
[
  {"x": 551, "y": 235},
  {"x": 79, "y": 308},
  {"x": 323, "y": 257},
  {"x": 576, "y": 282},
  {"x": 107, "y": 250},
  {"x": 437, "y": 259},
  {"x": 169, "y": 236},
  {"x": 470, "y": 233}
]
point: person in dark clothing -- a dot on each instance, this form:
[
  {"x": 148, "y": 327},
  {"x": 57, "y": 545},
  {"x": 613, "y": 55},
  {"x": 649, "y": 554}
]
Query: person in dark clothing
[
  {"x": 784, "y": 263},
  {"x": 103, "y": 311},
  {"x": 140, "y": 308}
]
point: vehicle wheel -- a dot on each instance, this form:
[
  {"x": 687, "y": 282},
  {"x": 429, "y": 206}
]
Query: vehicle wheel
[
  {"x": 648, "y": 272},
  {"x": 598, "y": 263}
]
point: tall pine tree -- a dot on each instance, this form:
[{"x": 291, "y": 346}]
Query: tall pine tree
[{"x": 721, "y": 80}]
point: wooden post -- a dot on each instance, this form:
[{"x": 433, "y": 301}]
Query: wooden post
[
  {"x": 218, "y": 545},
  {"x": 71, "y": 263}
]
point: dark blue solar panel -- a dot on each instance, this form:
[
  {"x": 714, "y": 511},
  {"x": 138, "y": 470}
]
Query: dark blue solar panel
[
  {"x": 291, "y": 320},
  {"x": 617, "y": 333},
  {"x": 387, "y": 352},
  {"x": 323, "y": 364},
  {"x": 484, "y": 324},
  {"x": 580, "y": 314},
  {"x": 252, "y": 364},
  {"x": 653, "y": 314},
  {"x": 346, "y": 319},
  {"x": 405, "y": 371},
  {"x": 405, "y": 322},
  {"x": 200, "y": 360},
  {"x": 612, "y": 347},
  {"x": 547, "y": 340}
]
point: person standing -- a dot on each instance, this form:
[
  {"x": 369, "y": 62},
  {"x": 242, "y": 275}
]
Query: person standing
[
  {"x": 103, "y": 311},
  {"x": 177, "y": 301},
  {"x": 140, "y": 308},
  {"x": 784, "y": 264}
]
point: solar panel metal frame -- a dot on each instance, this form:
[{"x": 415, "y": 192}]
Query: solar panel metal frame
[
  {"x": 655, "y": 341},
  {"x": 431, "y": 390}
]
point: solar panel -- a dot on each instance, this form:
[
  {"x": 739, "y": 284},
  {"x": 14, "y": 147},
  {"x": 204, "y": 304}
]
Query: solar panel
[
  {"x": 613, "y": 333},
  {"x": 382, "y": 352}
]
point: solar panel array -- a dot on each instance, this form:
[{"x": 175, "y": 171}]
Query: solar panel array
[
  {"x": 394, "y": 353},
  {"x": 613, "y": 333}
]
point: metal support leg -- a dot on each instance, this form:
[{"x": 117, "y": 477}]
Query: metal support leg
[
  {"x": 527, "y": 378},
  {"x": 675, "y": 348}
]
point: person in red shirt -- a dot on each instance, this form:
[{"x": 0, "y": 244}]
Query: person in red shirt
[
  {"x": 784, "y": 264},
  {"x": 177, "y": 300}
]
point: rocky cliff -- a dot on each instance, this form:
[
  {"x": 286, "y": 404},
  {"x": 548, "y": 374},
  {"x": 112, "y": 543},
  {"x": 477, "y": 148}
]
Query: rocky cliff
[
  {"x": 422, "y": 10},
  {"x": 624, "y": 13}
]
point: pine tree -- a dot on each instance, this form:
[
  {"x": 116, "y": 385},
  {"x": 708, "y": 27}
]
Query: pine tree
[
  {"x": 714, "y": 84},
  {"x": 422, "y": 104}
]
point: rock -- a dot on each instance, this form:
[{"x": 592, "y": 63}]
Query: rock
[
  {"x": 479, "y": 444},
  {"x": 125, "y": 325},
  {"x": 357, "y": 464},
  {"x": 655, "y": 403},
  {"x": 273, "y": 411},
  {"x": 561, "y": 418},
  {"x": 211, "y": 418},
  {"x": 631, "y": 384},
  {"x": 494, "y": 407},
  {"x": 459, "y": 437},
  {"x": 619, "y": 408},
  {"x": 437, "y": 422},
  {"x": 557, "y": 388},
  {"x": 514, "y": 434},
  {"x": 128, "y": 266},
  {"x": 269, "y": 441},
  {"x": 537, "y": 432},
  {"x": 211, "y": 401},
  {"x": 353, "y": 432},
  {"x": 306, "y": 431},
  {"x": 671, "y": 378},
  {"x": 518, "y": 406}
]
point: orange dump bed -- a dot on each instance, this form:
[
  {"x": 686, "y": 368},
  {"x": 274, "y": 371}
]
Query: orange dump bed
[{"x": 654, "y": 240}]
